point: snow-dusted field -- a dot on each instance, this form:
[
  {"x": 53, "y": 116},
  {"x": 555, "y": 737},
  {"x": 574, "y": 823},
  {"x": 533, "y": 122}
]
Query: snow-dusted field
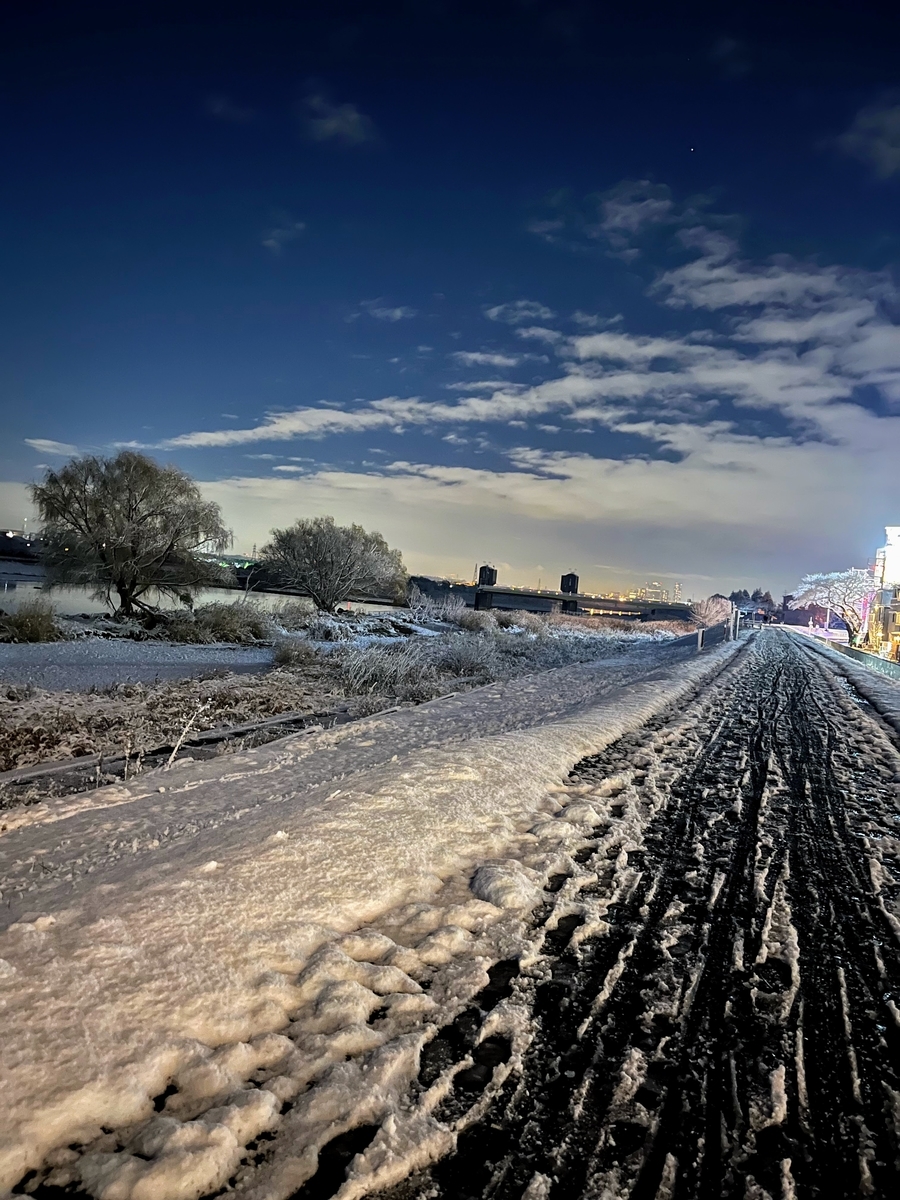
[{"x": 534, "y": 941}]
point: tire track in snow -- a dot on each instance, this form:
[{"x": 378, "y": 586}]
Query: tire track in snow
[
  {"x": 704, "y": 1002},
  {"x": 733, "y": 1031}
]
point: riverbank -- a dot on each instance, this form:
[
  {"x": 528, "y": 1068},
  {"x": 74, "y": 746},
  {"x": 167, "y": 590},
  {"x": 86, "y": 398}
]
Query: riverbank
[{"x": 344, "y": 667}]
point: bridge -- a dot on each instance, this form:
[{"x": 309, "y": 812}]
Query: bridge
[{"x": 546, "y": 600}]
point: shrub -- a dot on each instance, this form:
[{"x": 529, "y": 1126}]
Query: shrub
[
  {"x": 459, "y": 655},
  {"x": 294, "y": 615},
  {"x": 406, "y": 671},
  {"x": 33, "y": 621},
  {"x": 239, "y": 623},
  {"x": 182, "y": 627},
  {"x": 325, "y": 627},
  {"x": 294, "y": 652},
  {"x": 425, "y": 608},
  {"x": 531, "y": 622},
  {"x": 472, "y": 619}
]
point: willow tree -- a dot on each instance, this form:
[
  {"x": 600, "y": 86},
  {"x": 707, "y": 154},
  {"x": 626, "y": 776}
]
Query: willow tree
[
  {"x": 128, "y": 527},
  {"x": 331, "y": 563}
]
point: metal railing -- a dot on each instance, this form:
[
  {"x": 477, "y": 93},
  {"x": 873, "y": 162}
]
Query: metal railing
[{"x": 873, "y": 661}]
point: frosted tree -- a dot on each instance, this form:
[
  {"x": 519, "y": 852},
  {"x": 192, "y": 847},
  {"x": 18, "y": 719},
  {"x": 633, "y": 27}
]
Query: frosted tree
[
  {"x": 849, "y": 593},
  {"x": 126, "y": 526},
  {"x": 714, "y": 611},
  {"x": 330, "y": 563}
]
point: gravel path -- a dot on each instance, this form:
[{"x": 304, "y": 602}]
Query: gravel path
[{"x": 97, "y": 662}]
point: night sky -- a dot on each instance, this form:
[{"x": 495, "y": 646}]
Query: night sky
[{"x": 533, "y": 283}]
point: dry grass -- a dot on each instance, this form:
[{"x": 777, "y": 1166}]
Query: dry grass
[
  {"x": 472, "y": 620},
  {"x": 240, "y": 623},
  {"x": 33, "y": 621},
  {"x": 293, "y": 652},
  {"x": 619, "y": 625},
  {"x": 423, "y": 668},
  {"x": 40, "y": 726},
  {"x": 294, "y": 615}
]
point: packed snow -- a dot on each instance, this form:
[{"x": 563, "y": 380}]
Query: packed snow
[{"x": 173, "y": 931}]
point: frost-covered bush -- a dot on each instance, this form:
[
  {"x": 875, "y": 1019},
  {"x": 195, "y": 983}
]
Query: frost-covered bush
[
  {"x": 33, "y": 621},
  {"x": 325, "y": 627},
  {"x": 406, "y": 671},
  {"x": 239, "y": 623},
  {"x": 714, "y": 611},
  {"x": 294, "y": 615},
  {"x": 421, "y": 668},
  {"x": 426, "y": 608},
  {"x": 472, "y": 619},
  {"x": 530, "y": 622},
  {"x": 294, "y": 652},
  {"x": 459, "y": 655}
]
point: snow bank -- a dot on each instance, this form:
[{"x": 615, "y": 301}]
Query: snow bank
[
  {"x": 881, "y": 692},
  {"x": 108, "y": 996}
]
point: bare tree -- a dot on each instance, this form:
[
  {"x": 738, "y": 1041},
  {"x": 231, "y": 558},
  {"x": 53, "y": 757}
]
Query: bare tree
[
  {"x": 714, "y": 611},
  {"x": 849, "y": 593},
  {"x": 127, "y": 526},
  {"x": 330, "y": 563}
]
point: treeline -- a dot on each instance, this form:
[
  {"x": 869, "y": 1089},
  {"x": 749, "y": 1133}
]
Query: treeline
[{"x": 131, "y": 530}]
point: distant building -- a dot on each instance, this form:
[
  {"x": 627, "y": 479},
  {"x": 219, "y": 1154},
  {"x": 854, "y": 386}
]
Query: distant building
[
  {"x": 676, "y": 595},
  {"x": 883, "y": 623},
  {"x": 654, "y": 591}
]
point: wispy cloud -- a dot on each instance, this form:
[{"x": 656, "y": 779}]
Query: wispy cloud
[
  {"x": 592, "y": 321},
  {"x": 342, "y": 123},
  {"x": 286, "y": 231},
  {"x": 480, "y": 385},
  {"x": 631, "y": 206},
  {"x": 46, "y": 446},
  {"x": 301, "y": 422},
  {"x": 520, "y": 311},
  {"x": 226, "y": 110},
  {"x": 783, "y": 399},
  {"x": 540, "y": 334},
  {"x": 482, "y": 358},
  {"x": 874, "y": 137},
  {"x": 386, "y": 312}
]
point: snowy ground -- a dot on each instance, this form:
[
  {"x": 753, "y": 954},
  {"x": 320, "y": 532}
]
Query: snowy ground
[
  {"x": 96, "y": 662},
  {"x": 159, "y": 925},
  {"x": 623, "y": 929}
]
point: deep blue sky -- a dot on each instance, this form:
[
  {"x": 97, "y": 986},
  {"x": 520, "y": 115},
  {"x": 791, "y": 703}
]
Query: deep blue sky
[{"x": 223, "y": 218}]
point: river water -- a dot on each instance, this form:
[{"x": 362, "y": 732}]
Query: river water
[{"x": 22, "y": 584}]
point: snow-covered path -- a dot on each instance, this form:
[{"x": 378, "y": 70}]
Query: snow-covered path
[
  {"x": 621, "y": 933},
  {"x": 168, "y": 930}
]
